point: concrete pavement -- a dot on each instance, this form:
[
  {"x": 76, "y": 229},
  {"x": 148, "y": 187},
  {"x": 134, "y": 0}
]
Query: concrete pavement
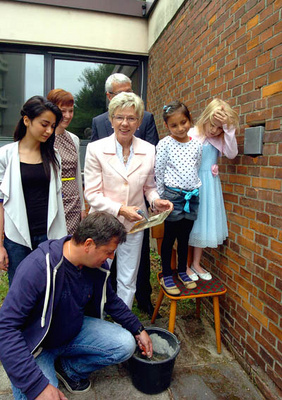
[{"x": 199, "y": 372}]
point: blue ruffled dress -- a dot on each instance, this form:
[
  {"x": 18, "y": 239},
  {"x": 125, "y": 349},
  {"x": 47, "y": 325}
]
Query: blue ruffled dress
[{"x": 210, "y": 228}]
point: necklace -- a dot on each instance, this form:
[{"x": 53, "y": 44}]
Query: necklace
[{"x": 125, "y": 159}]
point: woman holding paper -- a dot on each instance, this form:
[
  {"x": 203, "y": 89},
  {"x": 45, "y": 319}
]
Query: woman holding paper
[{"x": 119, "y": 171}]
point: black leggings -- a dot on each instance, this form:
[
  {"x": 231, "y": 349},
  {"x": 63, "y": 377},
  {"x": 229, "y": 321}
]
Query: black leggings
[{"x": 179, "y": 230}]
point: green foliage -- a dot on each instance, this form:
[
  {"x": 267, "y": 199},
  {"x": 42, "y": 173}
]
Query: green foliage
[
  {"x": 91, "y": 99},
  {"x": 4, "y": 286}
]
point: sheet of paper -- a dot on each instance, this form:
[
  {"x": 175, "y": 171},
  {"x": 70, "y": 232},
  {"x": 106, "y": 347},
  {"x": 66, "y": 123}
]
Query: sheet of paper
[{"x": 153, "y": 221}]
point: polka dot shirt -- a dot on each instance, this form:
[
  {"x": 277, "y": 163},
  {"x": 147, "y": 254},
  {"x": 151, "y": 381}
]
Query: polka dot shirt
[{"x": 177, "y": 164}]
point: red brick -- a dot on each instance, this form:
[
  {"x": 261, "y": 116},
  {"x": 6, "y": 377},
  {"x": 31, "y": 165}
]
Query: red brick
[
  {"x": 277, "y": 112},
  {"x": 258, "y": 117},
  {"x": 266, "y": 35},
  {"x": 272, "y": 125},
  {"x": 277, "y": 332},
  {"x": 278, "y": 175},
  {"x": 262, "y": 217},
  {"x": 252, "y": 343},
  {"x": 255, "y": 313},
  {"x": 273, "y": 304},
  {"x": 262, "y": 272},
  {"x": 254, "y": 323},
  {"x": 268, "y": 359},
  {"x": 179, "y": 66},
  {"x": 276, "y": 294},
  {"x": 263, "y": 341},
  {"x": 272, "y": 43},
  {"x": 275, "y": 99},
  {"x": 277, "y": 223},
  {"x": 271, "y": 314},
  {"x": 259, "y": 283},
  {"x": 272, "y": 89}
]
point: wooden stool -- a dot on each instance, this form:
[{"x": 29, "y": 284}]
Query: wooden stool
[{"x": 213, "y": 288}]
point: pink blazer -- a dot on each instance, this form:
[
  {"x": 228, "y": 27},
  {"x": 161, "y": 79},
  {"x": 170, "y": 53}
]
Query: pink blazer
[{"x": 108, "y": 185}]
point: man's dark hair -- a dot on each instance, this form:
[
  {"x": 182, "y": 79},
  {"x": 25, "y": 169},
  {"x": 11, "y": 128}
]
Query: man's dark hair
[{"x": 101, "y": 227}]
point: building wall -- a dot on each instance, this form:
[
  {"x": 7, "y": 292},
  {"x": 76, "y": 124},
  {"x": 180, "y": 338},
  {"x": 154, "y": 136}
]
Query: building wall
[
  {"x": 71, "y": 28},
  {"x": 233, "y": 50},
  {"x": 163, "y": 13}
]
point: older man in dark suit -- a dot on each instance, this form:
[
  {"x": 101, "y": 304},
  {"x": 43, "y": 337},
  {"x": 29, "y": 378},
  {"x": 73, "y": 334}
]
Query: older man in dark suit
[{"x": 101, "y": 127}]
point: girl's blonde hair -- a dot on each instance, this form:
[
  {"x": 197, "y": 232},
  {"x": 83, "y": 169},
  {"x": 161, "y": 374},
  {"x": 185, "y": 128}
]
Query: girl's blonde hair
[{"x": 208, "y": 114}]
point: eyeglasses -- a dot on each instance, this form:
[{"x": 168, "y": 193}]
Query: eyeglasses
[
  {"x": 120, "y": 118},
  {"x": 123, "y": 91}
]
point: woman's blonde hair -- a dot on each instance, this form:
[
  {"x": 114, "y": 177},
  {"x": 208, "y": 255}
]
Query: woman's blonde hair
[
  {"x": 124, "y": 100},
  {"x": 208, "y": 114}
]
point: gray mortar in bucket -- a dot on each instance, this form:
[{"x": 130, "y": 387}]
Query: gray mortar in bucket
[{"x": 153, "y": 375}]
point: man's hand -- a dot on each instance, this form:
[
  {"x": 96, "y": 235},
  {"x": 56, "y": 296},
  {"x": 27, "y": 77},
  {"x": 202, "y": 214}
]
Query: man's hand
[
  {"x": 51, "y": 393},
  {"x": 145, "y": 344}
]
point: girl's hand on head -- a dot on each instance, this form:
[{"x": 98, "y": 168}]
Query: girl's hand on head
[{"x": 220, "y": 117}]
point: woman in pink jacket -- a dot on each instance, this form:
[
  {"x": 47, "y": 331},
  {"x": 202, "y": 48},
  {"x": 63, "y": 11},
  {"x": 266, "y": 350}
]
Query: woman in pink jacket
[{"x": 119, "y": 171}]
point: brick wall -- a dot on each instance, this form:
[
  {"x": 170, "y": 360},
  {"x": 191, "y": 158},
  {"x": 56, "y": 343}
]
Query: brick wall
[{"x": 233, "y": 50}]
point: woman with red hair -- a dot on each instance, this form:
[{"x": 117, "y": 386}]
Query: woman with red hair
[{"x": 68, "y": 146}]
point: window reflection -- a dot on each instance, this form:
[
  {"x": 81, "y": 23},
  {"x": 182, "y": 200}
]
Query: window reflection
[
  {"x": 86, "y": 82},
  {"x": 21, "y": 76}
]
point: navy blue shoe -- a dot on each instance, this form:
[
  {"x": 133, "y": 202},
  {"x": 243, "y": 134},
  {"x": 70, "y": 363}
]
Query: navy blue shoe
[{"x": 72, "y": 386}]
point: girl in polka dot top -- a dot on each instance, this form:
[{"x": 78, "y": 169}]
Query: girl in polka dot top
[{"x": 177, "y": 163}]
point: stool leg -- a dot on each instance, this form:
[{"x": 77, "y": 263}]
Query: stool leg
[
  {"x": 217, "y": 322},
  {"x": 158, "y": 304},
  {"x": 172, "y": 316},
  {"x": 198, "y": 307}
]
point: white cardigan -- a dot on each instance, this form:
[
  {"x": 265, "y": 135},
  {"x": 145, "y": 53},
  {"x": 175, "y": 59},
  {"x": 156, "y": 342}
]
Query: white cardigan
[{"x": 11, "y": 192}]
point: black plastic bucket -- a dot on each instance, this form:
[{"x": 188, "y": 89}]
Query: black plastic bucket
[{"x": 153, "y": 377}]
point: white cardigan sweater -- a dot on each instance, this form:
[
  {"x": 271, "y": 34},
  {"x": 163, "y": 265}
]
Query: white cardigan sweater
[{"x": 11, "y": 192}]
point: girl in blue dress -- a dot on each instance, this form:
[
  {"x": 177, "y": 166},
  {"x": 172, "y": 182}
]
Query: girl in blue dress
[{"x": 216, "y": 129}]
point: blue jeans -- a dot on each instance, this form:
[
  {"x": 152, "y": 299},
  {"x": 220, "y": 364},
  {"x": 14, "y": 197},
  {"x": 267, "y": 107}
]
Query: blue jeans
[
  {"x": 17, "y": 252},
  {"x": 99, "y": 344}
]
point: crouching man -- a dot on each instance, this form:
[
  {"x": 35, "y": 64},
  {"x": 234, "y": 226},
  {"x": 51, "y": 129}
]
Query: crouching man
[{"x": 51, "y": 322}]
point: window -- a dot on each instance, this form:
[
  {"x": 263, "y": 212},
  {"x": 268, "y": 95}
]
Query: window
[
  {"x": 25, "y": 72},
  {"x": 21, "y": 76}
]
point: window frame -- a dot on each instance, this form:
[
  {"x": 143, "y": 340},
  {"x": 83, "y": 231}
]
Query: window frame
[{"x": 54, "y": 53}]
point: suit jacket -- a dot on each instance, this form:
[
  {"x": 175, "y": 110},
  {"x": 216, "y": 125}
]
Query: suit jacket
[
  {"x": 108, "y": 185},
  {"x": 101, "y": 128}
]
